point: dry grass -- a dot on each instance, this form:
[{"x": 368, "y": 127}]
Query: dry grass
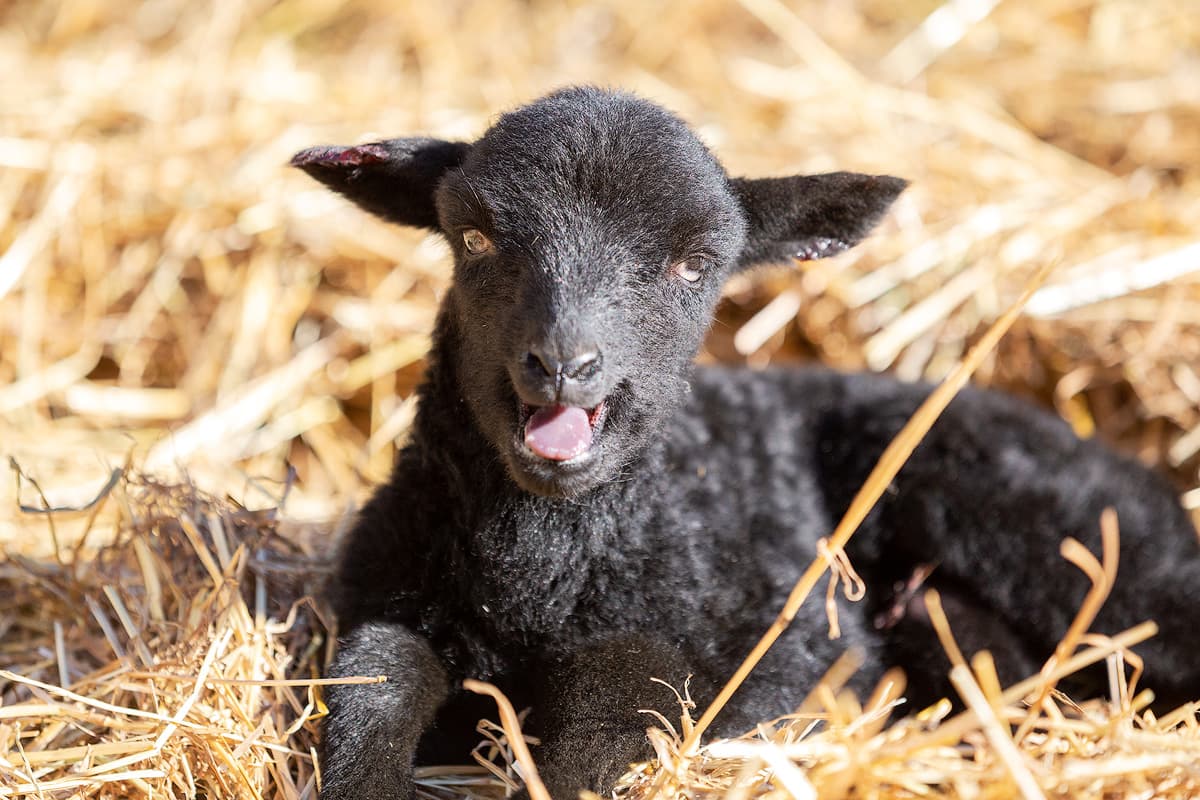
[
  {"x": 172, "y": 297},
  {"x": 183, "y": 659},
  {"x": 164, "y": 666},
  {"x": 841, "y": 747}
]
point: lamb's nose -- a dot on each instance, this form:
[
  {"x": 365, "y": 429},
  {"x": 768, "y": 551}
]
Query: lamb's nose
[{"x": 581, "y": 369}]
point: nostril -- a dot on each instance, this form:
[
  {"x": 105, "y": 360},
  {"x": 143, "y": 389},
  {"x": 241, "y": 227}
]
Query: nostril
[
  {"x": 583, "y": 368},
  {"x": 537, "y": 363}
]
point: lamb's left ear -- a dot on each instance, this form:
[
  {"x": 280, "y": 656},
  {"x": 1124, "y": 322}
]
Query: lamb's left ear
[
  {"x": 811, "y": 216},
  {"x": 394, "y": 179}
]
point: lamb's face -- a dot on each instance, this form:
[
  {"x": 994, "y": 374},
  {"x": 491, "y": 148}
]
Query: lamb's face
[
  {"x": 591, "y": 233},
  {"x": 589, "y": 249}
]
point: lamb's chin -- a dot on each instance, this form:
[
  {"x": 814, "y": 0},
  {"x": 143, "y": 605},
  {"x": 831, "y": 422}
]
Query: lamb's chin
[{"x": 557, "y": 479}]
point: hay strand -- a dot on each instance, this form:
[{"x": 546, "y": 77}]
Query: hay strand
[{"x": 512, "y": 729}]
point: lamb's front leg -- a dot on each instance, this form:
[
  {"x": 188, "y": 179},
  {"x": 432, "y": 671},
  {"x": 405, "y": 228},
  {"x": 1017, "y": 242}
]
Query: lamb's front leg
[
  {"x": 372, "y": 730},
  {"x": 588, "y": 713}
]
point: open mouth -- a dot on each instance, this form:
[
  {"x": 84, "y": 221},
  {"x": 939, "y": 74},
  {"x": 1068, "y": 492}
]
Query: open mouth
[{"x": 561, "y": 433}]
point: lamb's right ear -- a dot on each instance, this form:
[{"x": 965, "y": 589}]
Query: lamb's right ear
[
  {"x": 810, "y": 216},
  {"x": 394, "y": 179}
]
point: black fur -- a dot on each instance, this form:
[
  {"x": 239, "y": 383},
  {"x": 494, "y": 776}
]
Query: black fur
[{"x": 667, "y": 548}]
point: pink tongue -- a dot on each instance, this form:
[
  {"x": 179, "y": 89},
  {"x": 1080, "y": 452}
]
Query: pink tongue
[{"x": 558, "y": 433}]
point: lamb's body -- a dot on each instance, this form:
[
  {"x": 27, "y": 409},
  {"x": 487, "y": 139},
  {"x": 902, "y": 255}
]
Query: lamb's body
[
  {"x": 696, "y": 546},
  {"x": 669, "y": 545}
]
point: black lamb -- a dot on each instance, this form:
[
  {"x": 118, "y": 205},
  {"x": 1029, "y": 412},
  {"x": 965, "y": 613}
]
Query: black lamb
[{"x": 579, "y": 508}]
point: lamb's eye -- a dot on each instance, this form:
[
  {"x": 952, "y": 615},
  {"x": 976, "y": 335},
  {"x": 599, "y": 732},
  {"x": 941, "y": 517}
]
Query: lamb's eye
[
  {"x": 689, "y": 269},
  {"x": 476, "y": 242}
]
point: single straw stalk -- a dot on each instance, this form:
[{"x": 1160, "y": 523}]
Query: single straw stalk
[
  {"x": 996, "y": 732},
  {"x": 516, "y": 740}
]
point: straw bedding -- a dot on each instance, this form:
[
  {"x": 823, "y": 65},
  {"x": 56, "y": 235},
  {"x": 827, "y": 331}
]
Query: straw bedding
[{"x": 162, "y": 272}]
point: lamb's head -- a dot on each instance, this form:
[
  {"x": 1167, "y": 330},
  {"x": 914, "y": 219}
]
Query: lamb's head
[{"x": 591, "y": 232}]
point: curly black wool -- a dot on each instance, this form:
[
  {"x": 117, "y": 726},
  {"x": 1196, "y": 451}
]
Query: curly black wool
[{"x": 592, "y": 232}]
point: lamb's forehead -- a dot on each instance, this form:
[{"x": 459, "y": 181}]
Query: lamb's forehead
[{"x": 595, "y": 147}]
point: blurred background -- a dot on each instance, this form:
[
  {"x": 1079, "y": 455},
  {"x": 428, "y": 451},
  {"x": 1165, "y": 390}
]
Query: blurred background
[{"x": 175, "y": 299}]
